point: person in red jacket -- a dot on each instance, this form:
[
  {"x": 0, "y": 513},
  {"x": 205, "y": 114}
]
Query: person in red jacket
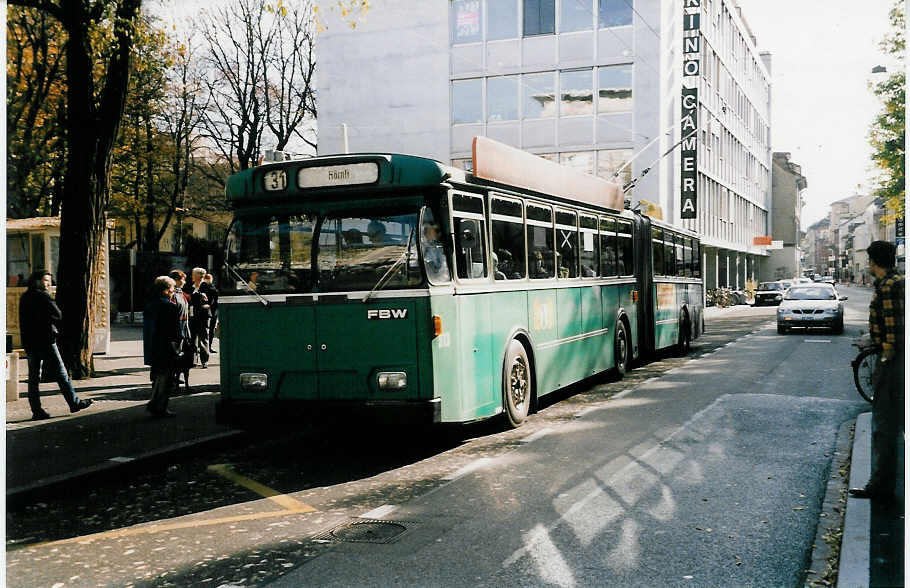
[{"x": 39, "y": 323}]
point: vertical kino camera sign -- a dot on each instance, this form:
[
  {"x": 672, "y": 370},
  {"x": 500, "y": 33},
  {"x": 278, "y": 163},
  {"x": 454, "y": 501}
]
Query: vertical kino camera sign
[{"x": 689, "y": 130}]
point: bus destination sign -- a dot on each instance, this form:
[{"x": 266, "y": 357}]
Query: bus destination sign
[{"x": 338, "y": 175}]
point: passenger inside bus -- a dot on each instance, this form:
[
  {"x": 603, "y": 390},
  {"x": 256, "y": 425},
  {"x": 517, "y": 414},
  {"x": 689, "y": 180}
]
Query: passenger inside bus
[
  {"x": 376, "y": 231},
  {"x": 433, "y": 253}
]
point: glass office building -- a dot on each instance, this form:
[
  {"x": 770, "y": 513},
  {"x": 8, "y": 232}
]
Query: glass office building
[{"x": 590, "y": 84}]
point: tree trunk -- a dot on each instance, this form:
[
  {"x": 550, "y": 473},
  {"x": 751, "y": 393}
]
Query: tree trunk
[{"x": 91, "y": 127}]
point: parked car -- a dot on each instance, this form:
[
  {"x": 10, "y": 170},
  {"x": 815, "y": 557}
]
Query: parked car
[
  {"x": 825, "y": 280},
  {"x": 811, "y": 306},
  {"x": 770, "y": 293},
  {"x": 803, "y": 281}
]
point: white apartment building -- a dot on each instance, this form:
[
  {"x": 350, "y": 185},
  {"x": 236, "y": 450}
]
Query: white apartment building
[{"x": 588, "y": 83}]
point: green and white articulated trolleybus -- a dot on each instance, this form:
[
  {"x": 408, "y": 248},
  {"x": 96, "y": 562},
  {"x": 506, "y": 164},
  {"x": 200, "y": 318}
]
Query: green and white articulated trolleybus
[{"x": 407, "y": 290}]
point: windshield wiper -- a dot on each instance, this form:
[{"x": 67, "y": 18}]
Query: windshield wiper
[
  {"x": 246, "y": 285},
  {"x": 386, "y": 276}
]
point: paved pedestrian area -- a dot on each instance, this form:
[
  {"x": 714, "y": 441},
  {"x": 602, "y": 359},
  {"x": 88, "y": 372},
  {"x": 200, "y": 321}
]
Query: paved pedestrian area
[{"x": 116, "y": 429}]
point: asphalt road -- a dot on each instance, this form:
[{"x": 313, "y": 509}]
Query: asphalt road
[{"x": 706, "y": 470}]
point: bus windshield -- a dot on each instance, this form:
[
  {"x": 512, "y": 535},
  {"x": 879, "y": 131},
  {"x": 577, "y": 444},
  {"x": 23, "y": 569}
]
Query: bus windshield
[{"x": 306, "y": 252}]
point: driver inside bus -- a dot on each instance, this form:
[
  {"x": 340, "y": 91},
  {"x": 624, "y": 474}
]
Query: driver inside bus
[{"x": 434, "y": 257}]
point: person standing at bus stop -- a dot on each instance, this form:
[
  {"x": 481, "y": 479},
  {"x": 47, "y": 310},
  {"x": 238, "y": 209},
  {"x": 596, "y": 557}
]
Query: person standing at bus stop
[
  {"x": 200, "y": 309},
  {"x": 213, "y": 308},
  {"x": 886, "y": 328},
  {"x": 39, "y": 323},
  {"x": 182, "y": 300},
  {"x": 162, "y": 345}
]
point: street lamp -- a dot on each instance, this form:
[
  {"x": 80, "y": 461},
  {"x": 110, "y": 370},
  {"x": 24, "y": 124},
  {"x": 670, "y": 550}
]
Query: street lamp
[{"x": 178, "y": 240}]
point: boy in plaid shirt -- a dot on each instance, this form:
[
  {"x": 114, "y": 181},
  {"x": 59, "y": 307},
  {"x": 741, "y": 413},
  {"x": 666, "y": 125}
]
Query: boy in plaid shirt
[{"x": 886, "y": 327}]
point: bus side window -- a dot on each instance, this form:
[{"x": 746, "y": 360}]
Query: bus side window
[
  {"x": 508, "y": 240},
  {"x": 657, "y": 247},
  {"x": 470, "y": 256},
  {"x": 588, "y": 252},
  {"x": 541, "y": 247},
  {"x": 687, "y": 257},
  {"x": 608, "y": 247},
  {"x": 624, "y": 247},
  {"x": 567, "y": 236},
  {"x": 680, "y": 257},
  {"x": 669, "y": 254},
  {"x": 432, "y": 249}
]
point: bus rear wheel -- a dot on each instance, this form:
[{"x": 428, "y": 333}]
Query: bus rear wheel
[
  {"x": 516, "y": 384},
  {"x": 622, "y": 349}
]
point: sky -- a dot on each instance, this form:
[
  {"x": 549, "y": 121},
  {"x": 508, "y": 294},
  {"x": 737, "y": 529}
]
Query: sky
[
  {"x": 823, "y": 52},
  {"x": 821, "y": 108}
]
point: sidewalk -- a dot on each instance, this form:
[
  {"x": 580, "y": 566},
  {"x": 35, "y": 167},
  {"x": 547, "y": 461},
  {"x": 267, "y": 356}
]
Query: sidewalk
[
  {"x": 114, "y": 431},
  {"x": 117, "y": 432},
  {"x": 872, "y": 548}
]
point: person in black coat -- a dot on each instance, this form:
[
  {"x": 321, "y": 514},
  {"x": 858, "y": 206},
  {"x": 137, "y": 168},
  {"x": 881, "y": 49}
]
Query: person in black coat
[
  {"x": 200, "y": 312},
  {"x": 182, "y": 299},
  {"x": 213, "y": 309},
  {"x": 161, "y": 345},
  {"x": 39, "y": 323}
]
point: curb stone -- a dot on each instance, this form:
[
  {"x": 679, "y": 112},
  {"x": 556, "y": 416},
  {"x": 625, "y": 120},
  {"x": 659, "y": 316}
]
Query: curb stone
[{"x": 824, "y": 560}]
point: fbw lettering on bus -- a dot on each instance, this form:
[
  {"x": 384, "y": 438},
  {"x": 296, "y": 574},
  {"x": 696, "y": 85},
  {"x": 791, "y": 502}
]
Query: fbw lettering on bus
[{"x": 387, "y": 313}]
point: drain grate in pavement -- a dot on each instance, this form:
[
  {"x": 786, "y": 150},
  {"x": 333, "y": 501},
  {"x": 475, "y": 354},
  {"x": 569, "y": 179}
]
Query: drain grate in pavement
[{"x": 365, "y": 531}]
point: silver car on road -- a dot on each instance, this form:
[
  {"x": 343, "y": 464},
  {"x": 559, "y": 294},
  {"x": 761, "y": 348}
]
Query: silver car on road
[{"x": 811, "y": 306}]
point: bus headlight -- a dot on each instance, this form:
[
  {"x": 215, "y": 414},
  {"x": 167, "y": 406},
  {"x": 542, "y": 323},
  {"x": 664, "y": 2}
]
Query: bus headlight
[
  {"x": 254, "y": 382},
  {"x": 392, "y": 380}
]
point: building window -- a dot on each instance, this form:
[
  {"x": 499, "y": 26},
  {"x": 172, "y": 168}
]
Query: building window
[
  {"x": 467, "y": 101},
  {"x": 610, "y": 160},
  {"x": 614, "y": 13},
  {"x": 466, "y": 21},
  {"x": 502, "y": 98},
  {"x": 575, "y": 15},
  {"x": 539, "y": 17},
  {"x": 215, "y": 232},
  {"x": 581, "y": 160},
  {"x": 540, "y": 95},
  {"x": 118, "y": 238},
  {"x": 614, "y": 88},
  {"x": 502, "y": 19},
  {"x": 18, "y": 266},
  {"x": 576, "y": 93}
]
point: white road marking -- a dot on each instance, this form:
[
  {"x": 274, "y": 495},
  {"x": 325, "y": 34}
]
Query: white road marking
[
  {"x": 380, "y": 512},
  {"x": 544, "y": 432},
  {"x": 474, "y": 465}
]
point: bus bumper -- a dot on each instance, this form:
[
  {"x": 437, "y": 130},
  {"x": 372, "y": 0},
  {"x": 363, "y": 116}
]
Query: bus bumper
[{"x": 304, "y": 411}]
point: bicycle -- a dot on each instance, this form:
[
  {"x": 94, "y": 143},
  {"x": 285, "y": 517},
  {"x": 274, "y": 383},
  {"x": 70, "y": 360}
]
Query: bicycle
[{"x": 863, "y": 368}]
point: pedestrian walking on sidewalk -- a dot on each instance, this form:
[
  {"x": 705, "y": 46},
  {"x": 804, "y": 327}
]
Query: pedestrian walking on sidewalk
[
  {"x": 162, "y": 345},
  {"x": 199, "y": 315},
  {"x": 886, "y": 328},
  {"x": 213, "y": 308},
  {"x": 39, "y": 322},
  {"x": 182, "y": 300}
]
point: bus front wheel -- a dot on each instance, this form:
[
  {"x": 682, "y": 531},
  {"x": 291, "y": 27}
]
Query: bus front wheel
[
  {"x": 516, "y": 384},
  {"x": 622, "y": 350}
]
